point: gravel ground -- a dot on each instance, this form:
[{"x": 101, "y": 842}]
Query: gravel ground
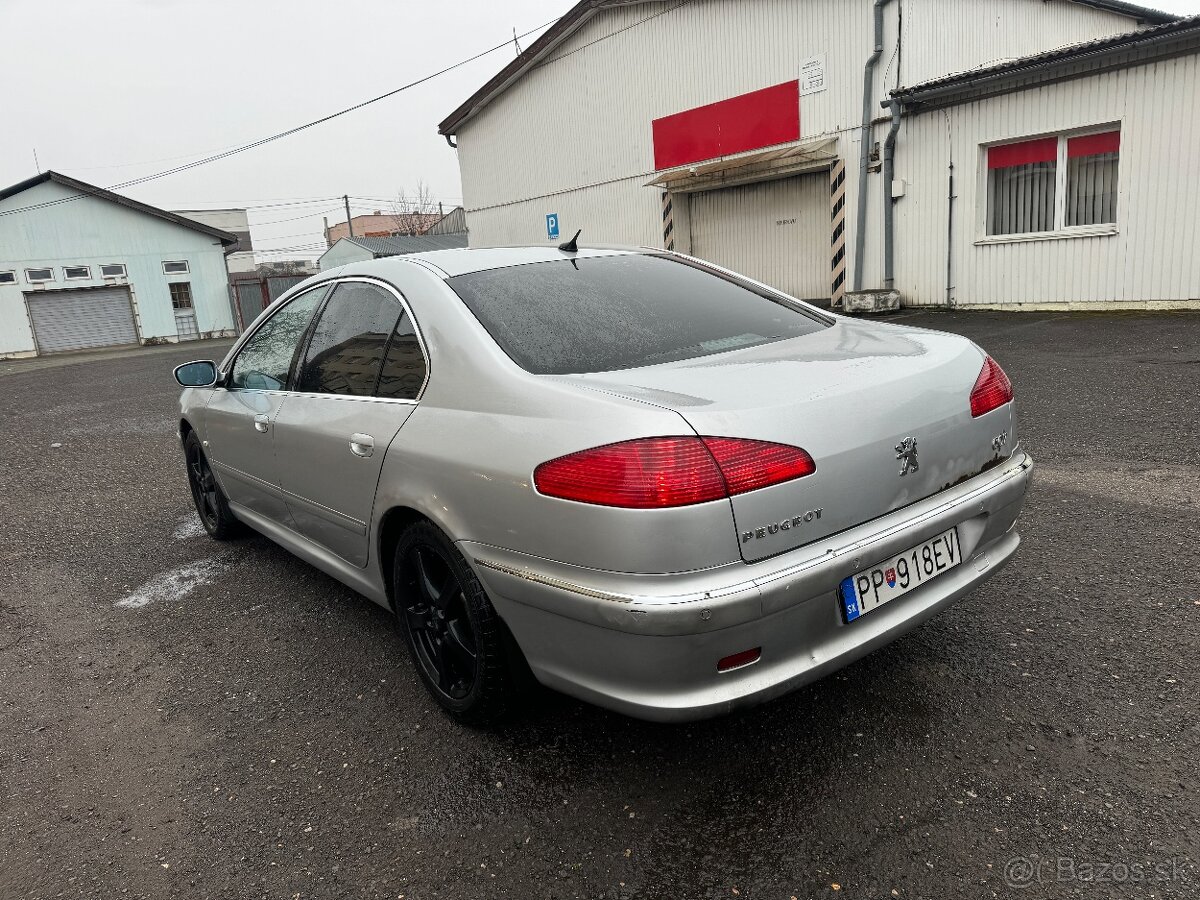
[{"x": 182, "y": 719}]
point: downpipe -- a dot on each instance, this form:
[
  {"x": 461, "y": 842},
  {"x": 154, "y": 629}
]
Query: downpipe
[
  {"x": 889, "y": 203},
  {"x": 864, "y": 149}
]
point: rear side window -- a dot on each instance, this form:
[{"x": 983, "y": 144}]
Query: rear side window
[
  {"x": 404, "y": 366},
  {"x": 348, "y": 344},
  {"x": 619, "y": 312}
]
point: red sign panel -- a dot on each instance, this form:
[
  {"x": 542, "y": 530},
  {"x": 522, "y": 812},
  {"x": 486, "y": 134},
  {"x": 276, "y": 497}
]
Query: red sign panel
[
  {"x": 746, "y": 122},
  {"x": 1094, "y": 144},
  {"x": 1024, "y": 153}
]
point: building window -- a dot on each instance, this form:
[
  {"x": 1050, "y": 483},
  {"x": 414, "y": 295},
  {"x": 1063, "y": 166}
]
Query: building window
[
  {"x": 178, "y": 267},
  {"x": 1053, "y": 183},
  {"x": 113, "y": 270},
  {"x": 181, "y": 295},
  {"x": 37, "y": 276},
  {"x": 8, "y": 277},
  {"x": 74, "y": 273}
]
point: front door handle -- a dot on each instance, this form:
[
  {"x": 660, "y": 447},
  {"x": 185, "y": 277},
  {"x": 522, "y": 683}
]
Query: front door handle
[
  {"x": 262, "y": 423},
  {"x": 362, "y": 444}
]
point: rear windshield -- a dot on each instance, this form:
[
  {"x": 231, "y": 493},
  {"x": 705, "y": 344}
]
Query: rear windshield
[{"x": 619, "y": 312}]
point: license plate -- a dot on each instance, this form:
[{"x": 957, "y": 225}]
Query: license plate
[{"x": 871, "y": 588}]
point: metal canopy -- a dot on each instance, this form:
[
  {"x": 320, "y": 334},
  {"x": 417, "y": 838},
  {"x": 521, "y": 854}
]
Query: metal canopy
[{"x": 807, "y": 156}]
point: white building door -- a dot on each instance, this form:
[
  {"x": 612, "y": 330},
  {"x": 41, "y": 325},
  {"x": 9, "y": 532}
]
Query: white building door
[
  {"x": 776, "y": 232},
  {"x": 79, "y": 319}
]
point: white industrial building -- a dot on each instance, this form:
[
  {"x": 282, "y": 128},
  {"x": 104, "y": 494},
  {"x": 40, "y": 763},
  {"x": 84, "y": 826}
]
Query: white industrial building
[
  {"x": 787, "y": 139},
  {"x": 82, "y": 267}
]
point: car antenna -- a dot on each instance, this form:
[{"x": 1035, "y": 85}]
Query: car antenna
[{"x": 571, "y": 246}]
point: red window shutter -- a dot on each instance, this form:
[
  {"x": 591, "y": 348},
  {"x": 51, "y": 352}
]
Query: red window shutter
[
  {"x": 1023, "y": 153},
  {"x": 1094, "y": 144}
]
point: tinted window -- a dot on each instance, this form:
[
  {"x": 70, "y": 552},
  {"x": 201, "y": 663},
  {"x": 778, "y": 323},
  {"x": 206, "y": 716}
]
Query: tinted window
[
  {"x": 404, "y": 366},
  {"x": 618, "y": 312},
  {"x": 264, "y": 360},
  {"x": 348, "y": 343}
]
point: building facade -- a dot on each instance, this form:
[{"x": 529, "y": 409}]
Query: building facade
[
  {"x": 755, "y": 134},
  {"x": 240, "y": 260},
  {"x": 381, "y": 224},
  {"x": 356, "y": 249},
  {"x": 81, "y": 267}
]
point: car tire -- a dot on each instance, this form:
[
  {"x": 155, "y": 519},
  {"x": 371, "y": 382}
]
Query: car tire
[
  {"x": 460, "y": 647},
  {"x": 211, "y": 506}
]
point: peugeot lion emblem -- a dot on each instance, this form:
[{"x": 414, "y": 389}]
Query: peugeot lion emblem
[{"x": 906, "y": 452}]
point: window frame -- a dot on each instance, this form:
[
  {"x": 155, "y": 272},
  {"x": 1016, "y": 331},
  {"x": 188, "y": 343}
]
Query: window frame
[
  {"x": 231, "y": 358},
  {"x": 31, "y": 280},
  {"x": 86, "y": 276},
  {"x": 1061, "y": 230},
  {"x": 187, "y": 267},
  {"x": 302, "y": 350},
  {"x": 12, "y": 272},
  {"x": 191, "y": 307},
  {"x": 121, "y": 266}
]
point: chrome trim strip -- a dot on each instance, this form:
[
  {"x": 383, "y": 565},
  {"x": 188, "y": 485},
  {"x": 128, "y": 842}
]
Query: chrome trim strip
[
  {"x": 245, "y": 476},
  {"x": 321, "y": 506},
  {"x": 334, "y": 282},
  {"x": 757, "y": 581}
]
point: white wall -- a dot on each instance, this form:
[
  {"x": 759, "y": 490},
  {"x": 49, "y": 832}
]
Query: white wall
[
  {"x": 573, "y": 136},
  {"x": 233, "y": 220},
  {"x": 91, "y": 231},
  {"x": 1151, "y": 261}
]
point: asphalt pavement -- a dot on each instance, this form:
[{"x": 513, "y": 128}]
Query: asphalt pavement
[{"x": 184, "y": 719}]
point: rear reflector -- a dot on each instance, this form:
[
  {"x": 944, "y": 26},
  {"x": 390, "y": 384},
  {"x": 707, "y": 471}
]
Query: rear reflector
[
  {"x": 992, "y": 389},
  {"x": 663, "y": 472},
  {"x": 739, "y": 659}
]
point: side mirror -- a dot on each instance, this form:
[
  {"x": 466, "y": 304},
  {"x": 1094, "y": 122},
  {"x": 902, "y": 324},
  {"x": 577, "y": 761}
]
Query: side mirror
[{"x": 202, "y": 373}]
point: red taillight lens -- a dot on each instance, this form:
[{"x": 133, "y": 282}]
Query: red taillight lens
[
  {"x": 662, "y": 472},
  {"x": 749, "y": 465},
  {"x": 992, "y": 388}
]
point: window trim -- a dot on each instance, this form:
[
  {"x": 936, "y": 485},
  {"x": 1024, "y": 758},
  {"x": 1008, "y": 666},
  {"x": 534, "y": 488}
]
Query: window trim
[
  {"x": 12, "y": 272},
  {"x": 1061, "y": 230},
  {"x": 187, "y": 267},
  {"x": 124, "y": 270},
  {"x": 87, "y": 276},
  {"x": 31, "y": 280},
  {"x": 227, "y": 364}
]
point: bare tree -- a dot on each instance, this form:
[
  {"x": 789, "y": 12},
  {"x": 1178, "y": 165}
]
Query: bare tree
[{"x": 415, "y": 213}]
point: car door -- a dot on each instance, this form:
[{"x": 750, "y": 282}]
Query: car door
[
  {"x": 240, "y": 417},
  {"x": 360, "y": 377}
]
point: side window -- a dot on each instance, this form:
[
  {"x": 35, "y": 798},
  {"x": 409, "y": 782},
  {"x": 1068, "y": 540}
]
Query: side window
[
  {"x": 263, "y": 362},
  {"x": 404, "y": 368},
  {"x": 348, "y": 343}
]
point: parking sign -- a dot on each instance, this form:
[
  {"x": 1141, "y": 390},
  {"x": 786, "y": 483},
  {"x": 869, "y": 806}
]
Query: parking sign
[{"x": 551, "y": 226}]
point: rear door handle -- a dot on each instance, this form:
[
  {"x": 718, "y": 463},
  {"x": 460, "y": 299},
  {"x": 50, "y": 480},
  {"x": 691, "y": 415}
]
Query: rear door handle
[
  {"x": 262, "y": 423},
  {"x": 362, "y": 444}
]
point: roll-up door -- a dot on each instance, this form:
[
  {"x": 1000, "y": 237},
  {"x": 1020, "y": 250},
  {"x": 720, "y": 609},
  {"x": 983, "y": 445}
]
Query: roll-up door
[
  {"x": 776, "y": 232},
  {"x": 77, "y": 320}
]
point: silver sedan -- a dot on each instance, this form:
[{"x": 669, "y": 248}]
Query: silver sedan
[{"x": 647, "y": 481}]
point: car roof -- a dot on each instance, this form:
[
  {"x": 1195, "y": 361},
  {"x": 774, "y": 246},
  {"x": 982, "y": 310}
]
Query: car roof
[{"x": 465, "y": 261}]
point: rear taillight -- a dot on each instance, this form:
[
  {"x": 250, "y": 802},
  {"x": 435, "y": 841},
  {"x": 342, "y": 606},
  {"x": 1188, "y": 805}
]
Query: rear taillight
[
  {"x": 992, "y": 388},
  {"x": 661, "y": 472}
]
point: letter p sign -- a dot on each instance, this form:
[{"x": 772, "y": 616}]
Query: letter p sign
[{"x": 552, "y": 226}]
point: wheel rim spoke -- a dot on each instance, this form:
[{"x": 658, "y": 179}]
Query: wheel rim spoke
[
  {"x": 435, "y": 617},
  {"x": 425, "y": 583},
  {"x": 459, "y": 647}
]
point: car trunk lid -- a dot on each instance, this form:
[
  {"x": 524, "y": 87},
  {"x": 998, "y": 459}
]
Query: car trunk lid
[{"x": 852, "y": 395}]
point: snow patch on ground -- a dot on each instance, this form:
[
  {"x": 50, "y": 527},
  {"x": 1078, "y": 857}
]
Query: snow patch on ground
[
  {"x": 188, "y": 527},
  {"x": 174, "y": 584}
]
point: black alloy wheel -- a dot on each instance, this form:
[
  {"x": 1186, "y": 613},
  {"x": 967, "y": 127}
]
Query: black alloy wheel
[
  {"x": 463, "y": 652},
  {"x": 436, "y": 616},
  {"x": 215, "y": 515}
]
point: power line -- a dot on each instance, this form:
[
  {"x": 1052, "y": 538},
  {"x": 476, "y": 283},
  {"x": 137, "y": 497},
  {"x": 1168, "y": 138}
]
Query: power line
[{"x": 275, "y": 137}]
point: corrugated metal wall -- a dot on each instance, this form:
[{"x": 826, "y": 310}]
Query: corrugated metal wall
[
  {"x": 573, "y": 136},
  {"x": 1152, "y": 259}
]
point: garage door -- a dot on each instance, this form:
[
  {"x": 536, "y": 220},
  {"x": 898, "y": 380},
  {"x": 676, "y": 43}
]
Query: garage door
[
  {"x": 777, "y": 232},
  {"x": 76, "y": 320}
]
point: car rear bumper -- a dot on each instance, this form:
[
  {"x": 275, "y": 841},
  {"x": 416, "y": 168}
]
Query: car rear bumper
[{"x": 648, "y": 645}]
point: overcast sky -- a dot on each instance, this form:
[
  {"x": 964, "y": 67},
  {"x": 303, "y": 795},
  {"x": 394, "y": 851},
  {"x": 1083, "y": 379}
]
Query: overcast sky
[{"x": 124, "y": 88}]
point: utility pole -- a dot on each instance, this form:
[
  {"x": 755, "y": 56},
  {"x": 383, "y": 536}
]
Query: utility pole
[{"x": 349, "y": 222}]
